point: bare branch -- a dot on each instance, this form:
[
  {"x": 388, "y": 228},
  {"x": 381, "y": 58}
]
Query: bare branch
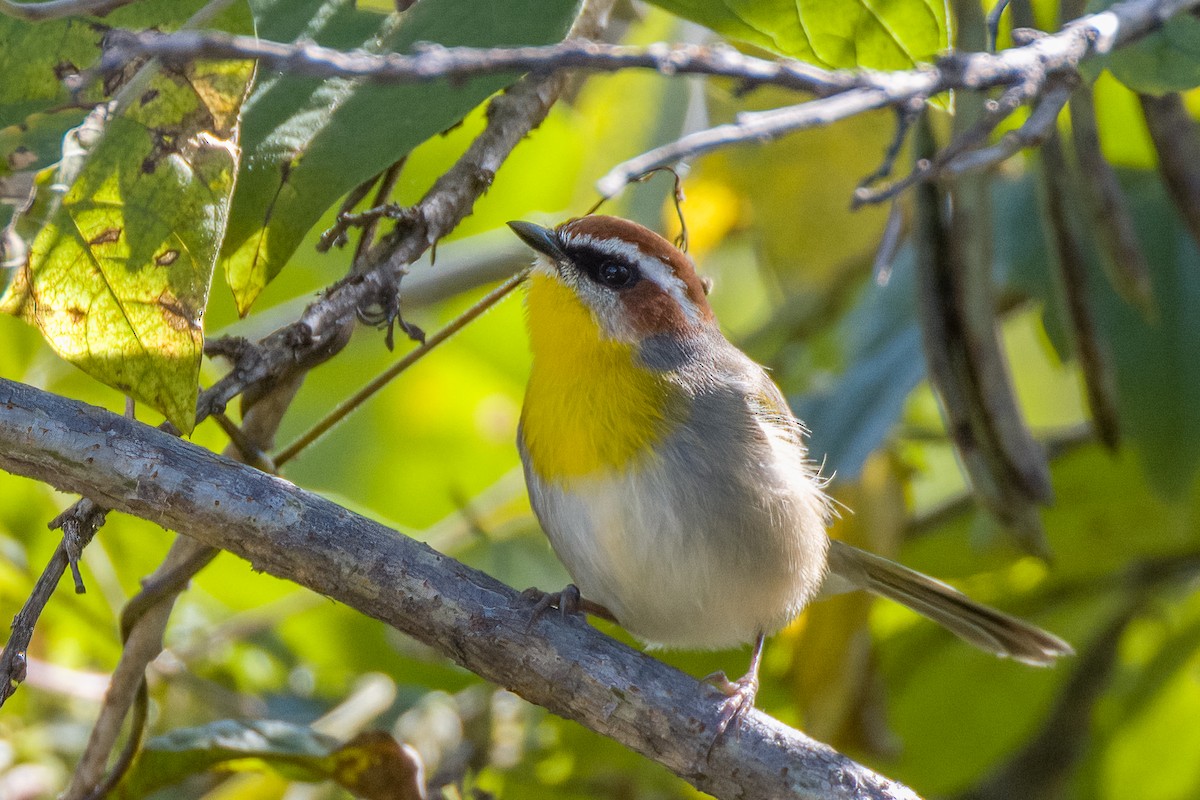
[
  {"x": 906, "y": 115},
  {"x": 1033, "y": 132},
  {"x": 1096, "y": 33},
  {"x": 81, "y": 527},
  {"x": 760, "y": 126},
  {"x": 1025, "y": 70},
  {"x": 840, "y": 94},
  {"x": 562, "y": 664},
  {"x": 435, "y": 62}
]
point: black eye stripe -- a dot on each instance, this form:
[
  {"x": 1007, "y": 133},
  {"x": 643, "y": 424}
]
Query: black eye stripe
[{"x": 606, "y": 269}]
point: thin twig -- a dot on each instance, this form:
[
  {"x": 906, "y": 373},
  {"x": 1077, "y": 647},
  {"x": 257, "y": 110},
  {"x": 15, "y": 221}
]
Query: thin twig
[
  {"x": 1025, "y": 70},
  {"x": 1034, "y": 131},
  {"x": 758, "y": 126},
  {"x": 335, "y": 236},
  {"x": 86, "y": 520},
  {"x": 348, "y": 405},
  {"x": 906, "y": 115},
  {"x": 994, "y": 113},
  {"x": 366, "y": 237}
]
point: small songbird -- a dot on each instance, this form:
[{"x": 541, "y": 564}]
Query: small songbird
[{"x": 669, "y": 473}]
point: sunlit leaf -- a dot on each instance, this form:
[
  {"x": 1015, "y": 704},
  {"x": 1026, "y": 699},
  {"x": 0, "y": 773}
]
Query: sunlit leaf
[
  {"x": 894, "y": 34},
  {"x": 120, "y": 262},
  {"x": 36, "y": 108}
]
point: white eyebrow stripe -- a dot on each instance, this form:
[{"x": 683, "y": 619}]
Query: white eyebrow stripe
[{"x": 653, "y": 268}]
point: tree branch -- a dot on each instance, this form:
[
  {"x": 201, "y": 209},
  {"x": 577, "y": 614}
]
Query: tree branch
[
  {"x": 1025, "y": 69},
  {"x": 562, "y": 664},
  {"x": 1096, "y": 33},
  {"x": 434, "y": 62}
]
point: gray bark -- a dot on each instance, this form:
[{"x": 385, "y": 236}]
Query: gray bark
[{"x": 564, "y": 665}]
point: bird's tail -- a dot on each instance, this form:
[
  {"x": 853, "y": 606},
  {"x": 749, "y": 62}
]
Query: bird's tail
[{"x": 986, "y": 628}]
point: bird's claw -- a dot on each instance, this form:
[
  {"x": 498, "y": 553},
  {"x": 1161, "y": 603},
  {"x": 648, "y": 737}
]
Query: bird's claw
[
  {"x": 568, "y": 602},
  {"x": 739, "y": 698}
]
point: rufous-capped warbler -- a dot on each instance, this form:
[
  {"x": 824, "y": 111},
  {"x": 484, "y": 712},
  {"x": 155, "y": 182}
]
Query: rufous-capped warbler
[{"x": 669, "y": 473}]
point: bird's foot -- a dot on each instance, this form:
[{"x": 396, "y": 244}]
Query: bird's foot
[
  {"x": 739, "y": 698},
  {"x": 568, "y": 602}
]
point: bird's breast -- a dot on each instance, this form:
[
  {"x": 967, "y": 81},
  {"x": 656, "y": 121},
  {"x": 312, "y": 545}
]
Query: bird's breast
[{"x": 591, "y": 407}]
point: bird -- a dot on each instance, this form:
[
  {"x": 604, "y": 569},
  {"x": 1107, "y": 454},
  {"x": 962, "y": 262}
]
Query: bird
[{"x": 670, "y": 475}]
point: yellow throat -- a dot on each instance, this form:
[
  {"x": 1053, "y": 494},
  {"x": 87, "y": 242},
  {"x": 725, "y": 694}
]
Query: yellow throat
[{"x": 590, "y": 407}]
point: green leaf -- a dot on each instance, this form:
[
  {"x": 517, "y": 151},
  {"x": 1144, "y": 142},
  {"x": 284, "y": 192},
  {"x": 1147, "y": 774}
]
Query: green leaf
[
  {"x": 372, "y": 765},
  {"x": 854, "y": 417},
  {"x": 124, "y": 232},
  {"x": 876, "y": 34},
  {"x": 307, "y": 143},
  {"x": 36, "y": 109},
  {"x": 1167, "y": 60}
]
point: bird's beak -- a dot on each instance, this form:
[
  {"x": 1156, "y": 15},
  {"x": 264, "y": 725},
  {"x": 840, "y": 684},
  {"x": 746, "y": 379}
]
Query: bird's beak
[{"x": 543, "y": 240}]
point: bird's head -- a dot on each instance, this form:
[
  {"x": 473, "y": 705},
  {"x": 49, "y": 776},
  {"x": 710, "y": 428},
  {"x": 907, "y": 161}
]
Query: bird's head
[{"x": 634, "y": 282}]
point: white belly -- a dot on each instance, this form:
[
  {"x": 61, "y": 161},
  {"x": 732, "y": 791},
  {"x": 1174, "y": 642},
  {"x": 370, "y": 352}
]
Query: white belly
[{"x": 689, "y": 557}]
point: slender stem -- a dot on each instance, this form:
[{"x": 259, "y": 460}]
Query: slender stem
[{"x": 344, "y": 408}]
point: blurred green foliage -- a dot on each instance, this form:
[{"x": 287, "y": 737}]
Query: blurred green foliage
[{"x": 433, "y": 456}]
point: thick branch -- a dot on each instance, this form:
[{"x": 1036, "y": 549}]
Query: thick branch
[{"x": 562, "y": 664}]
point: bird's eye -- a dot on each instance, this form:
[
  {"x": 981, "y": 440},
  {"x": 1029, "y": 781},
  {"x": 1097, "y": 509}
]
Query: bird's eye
[{"x": 614, "y": 274}]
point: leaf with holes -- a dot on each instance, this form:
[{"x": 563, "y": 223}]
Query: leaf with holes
[
  {"x": 124, "y": 233},
  {"x": 876, "y": 34}
]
